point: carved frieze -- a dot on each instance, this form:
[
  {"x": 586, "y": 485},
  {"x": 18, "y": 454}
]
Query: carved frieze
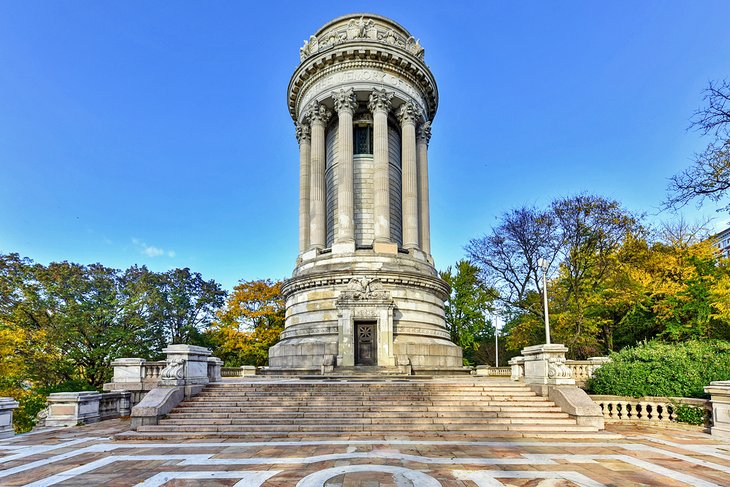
[
  {"x": 357, "y": 29},
  {"x": 364, "y": 289}
]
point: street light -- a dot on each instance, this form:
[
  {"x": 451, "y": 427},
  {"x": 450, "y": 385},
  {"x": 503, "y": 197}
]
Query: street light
[
  {"x": 496, "y": 342},
  {"x": 543, "y": 264}
]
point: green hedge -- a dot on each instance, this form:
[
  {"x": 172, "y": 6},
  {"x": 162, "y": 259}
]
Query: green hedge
[{"x": 664, "y": 369}]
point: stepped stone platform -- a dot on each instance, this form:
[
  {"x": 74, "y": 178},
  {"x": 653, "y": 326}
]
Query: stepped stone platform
[{"x": 365, "y": 406}]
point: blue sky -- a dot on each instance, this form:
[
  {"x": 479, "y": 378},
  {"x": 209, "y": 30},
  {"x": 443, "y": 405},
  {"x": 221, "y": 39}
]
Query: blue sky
[{"x": 157, "y": 133}]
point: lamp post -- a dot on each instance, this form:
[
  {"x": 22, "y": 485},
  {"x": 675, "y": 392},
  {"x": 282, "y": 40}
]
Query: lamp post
[
  {"x": 496, "y": 342},
  {"x": 543, "y": 264}
]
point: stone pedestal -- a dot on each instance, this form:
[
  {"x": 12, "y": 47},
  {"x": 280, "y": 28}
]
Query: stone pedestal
[
  {"x": 72, "y": 408},
  {"x": 187, "y": 365},
  {"x": 719, "y": 392},
  {"x": 518, "y": 367},
  {"x": 545, "y": 364},
  {"x": 214, "y": 369},
  {"x": 128, "y": 370},
  {"x": 7, "y": 405}
]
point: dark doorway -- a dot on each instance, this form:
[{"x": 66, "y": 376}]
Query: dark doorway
[{"x": 366, "y": 342}]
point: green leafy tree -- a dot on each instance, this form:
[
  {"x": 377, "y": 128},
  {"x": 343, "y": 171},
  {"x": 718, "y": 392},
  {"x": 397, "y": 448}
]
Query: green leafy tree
[
  {"x": 467, "y": 306},
  {"x": 184, "y": 304}
]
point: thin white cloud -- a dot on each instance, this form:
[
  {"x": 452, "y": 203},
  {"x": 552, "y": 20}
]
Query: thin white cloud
[{"x": 151, "y": 250}]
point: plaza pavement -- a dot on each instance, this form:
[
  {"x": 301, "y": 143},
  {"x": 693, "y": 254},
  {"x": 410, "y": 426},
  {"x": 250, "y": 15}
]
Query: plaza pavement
[{"x": 88, "y": 455}]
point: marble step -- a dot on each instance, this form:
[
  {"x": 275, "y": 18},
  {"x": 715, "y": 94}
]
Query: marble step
[
  {"x": 474, "y": 435},
  {"x": 374, "y": 428},
  {"x": 555, "y": 413},
  {"x": 530, "y": 407},
  {"x": 365, "y": 421}
]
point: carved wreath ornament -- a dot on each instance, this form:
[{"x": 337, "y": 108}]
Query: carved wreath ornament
[
  {"x": 362, "y": 288},
  {"x": 175, "y": 370},
  {"x": 361, "y": 28}
]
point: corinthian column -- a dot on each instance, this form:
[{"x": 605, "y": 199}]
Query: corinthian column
[
  {"x": 345, "y": 106},
  {"x": 305, "y": 148},
  {"x": 424, "y": 219},
  {"x": 407, "y": 115},
  {"x": 318, "y": 116},
  {"x": 380, "y": 106}
]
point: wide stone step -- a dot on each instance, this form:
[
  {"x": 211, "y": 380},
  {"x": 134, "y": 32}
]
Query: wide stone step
[
  {"x": 397, "y": 422},
  {"x": 530, "y": 408},
  {"x": 554, "y": 413},
  {"x": 390, "y": 397},
  {"x": 366, "y": 435},
  {"x": 376, "y": 429},
  {"x": 526, "y": 401}
]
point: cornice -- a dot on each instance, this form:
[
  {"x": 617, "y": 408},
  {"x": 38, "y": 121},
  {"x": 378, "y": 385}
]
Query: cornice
[{"x": 363, "y": 54}]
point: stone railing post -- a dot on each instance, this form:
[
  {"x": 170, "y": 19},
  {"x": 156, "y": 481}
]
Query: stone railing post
[
  {"x": 214, "y": 369},
  {"x": 72, "y": 408},
  {"x": 7, "y": 405},
  {"x": 518, "y": 367},
  {"x": 128, "y": 370},
  {"x": 719, "y": 392}
]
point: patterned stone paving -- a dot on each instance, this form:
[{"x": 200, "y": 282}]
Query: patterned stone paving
[{"x": 90, "y": 456}]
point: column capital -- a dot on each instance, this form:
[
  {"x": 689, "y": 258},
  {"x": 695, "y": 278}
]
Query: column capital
[
  {"x": 423, "y": 132},
  {"x": 318, "y": 113},
  {"x": 345, "y": 100},
  {"x": 408, "y": 112},
  {"x": 380, "y": 100},
  {"x": 303, "y": 131}
]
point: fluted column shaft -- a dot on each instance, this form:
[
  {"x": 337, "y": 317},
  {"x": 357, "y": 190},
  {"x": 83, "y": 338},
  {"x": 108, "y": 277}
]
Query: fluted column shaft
[
  {"x": 318, "y": 228},
  {"x": 424, "y": 216},
  {"x": 380, "y": 102},
  {"x": 409, "y": 185},
  {"x": 305, "y": 149},
  {"x": 345, "y": 105}
]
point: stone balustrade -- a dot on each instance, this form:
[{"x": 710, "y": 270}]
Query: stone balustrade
[
  {"x": 86, "y": 407},
  {"x": 648, "y": 409},
  {"x": 581, "y": 370},
  {"x": 242, "y": 371},
  {"x": 7, "y": 405},
  {"x": 152, "y": 370},
  {"x": 719, "y": 392},
  {"x": 489, "y": 371}
]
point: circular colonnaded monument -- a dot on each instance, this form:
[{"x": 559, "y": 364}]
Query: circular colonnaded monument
[{"x": 364, "y": 292}]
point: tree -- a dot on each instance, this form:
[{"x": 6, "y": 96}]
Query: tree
[
  {"x": 250, "y": 323},
  {"x": 183, "y": 303},
  {"x": 708, "y": 176},
  {"x": 467, "y": 306},
  {"x": 592, "y": 230},
  {"x": 507, "y": 256}
]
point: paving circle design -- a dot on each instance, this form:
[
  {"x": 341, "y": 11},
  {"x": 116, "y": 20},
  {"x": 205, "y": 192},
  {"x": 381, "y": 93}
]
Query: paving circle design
[{"x": 399, "y": 477}]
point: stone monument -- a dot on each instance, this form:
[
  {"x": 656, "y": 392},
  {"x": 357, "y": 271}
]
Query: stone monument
[{"x": 364, "y": 291}]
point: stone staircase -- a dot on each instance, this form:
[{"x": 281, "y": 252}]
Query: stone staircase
[{"x": 367, "y": 408}]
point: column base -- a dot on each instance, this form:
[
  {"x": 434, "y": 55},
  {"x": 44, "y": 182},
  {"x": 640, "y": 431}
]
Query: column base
[
  {"x": 385, "y": 248},
  {"x": 343, "y": 247}
]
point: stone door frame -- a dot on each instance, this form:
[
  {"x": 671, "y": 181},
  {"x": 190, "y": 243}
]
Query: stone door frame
[{"x": 378, "y": 310}]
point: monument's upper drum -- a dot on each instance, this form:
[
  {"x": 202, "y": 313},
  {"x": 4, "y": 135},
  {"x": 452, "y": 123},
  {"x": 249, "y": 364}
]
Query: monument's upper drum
[{"x": 362, "y": 51}]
